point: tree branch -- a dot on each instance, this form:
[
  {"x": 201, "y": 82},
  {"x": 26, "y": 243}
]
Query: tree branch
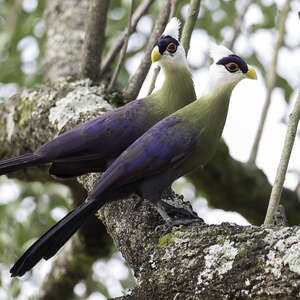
[
  {"x": 123, "y": 51},
  {"x": 113, "y": 52},
  {"x": 283, "y": 164},
  {"x": 138, "y": 78},
  {"x": 271, "y": 79},
  {"x": 153, "y": 80},
  {"x": 94, "y": 39},
  {"x": 190, "y": 24},
  {"x": 238, "y": 24},
  {"x": 235, "y": 186},
  {"x": 202, "y": 261}
]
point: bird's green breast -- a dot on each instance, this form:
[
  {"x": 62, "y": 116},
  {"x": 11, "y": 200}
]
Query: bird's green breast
[
  {"x": 176, "y": 92},
  {"x": 205, "y": 118}
]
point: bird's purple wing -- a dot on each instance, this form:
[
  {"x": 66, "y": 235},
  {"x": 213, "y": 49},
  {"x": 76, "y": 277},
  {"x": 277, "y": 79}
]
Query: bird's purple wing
[{"x": 165, "y": 145}]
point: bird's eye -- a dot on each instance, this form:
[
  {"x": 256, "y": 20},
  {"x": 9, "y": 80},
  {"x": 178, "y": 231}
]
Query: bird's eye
[
  {"x": 232, "y": 67},
  {"x": 171, "y": 48}
]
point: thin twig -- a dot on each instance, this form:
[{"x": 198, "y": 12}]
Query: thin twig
[
  {"x": 138, "y": 78},
  {"x": 157, "y": 68},
  {"x": 271, "y": 80},
  {"x": 190, "y": 24},
  {"x": 123, "y": 51},
  {"x": 94, "y": 38},
  {"x": 174, "y": 4},
  {"x": 283, "y": 164},
  {"x": 113, "y": 52},
  {"x": 238, "y": 24},
  {"x": 153, "y": 80}
]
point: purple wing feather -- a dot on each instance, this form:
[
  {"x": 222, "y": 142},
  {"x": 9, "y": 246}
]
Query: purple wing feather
[{"x": 165, "y": 145}]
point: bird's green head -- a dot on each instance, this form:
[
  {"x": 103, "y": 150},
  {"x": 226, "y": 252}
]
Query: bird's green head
[
  {"x": 167, "y": 51},
  {"x": 227, "y": 69}
]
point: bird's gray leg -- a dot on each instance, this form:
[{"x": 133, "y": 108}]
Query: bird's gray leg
[{"x": 152, "y": 188}]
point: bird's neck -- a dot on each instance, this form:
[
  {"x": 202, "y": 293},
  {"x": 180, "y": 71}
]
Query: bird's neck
[
  {"x": 177, "y": 90},
  {"x": 216, "y": 106},
  {"x": 209, "y": 113}
]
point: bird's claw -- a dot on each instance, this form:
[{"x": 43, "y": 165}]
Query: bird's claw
[
  {"x": 176, "y": 222},
  {"x": 138, "y": 203},
  {"x": 187, "y": 212}
]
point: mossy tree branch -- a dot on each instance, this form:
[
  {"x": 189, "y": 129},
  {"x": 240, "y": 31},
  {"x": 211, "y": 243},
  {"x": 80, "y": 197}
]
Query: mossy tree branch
[{"x": 201, "y": 261}]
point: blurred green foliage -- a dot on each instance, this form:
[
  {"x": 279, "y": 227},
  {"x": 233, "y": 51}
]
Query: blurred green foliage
[
  {"x": 23, "y": 34},
  {"x": 21, "y": 29},
  {"x": 23, "y": 219}
]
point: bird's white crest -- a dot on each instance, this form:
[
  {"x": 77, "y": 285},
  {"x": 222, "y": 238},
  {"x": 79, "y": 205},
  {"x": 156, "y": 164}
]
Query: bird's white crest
[
  {"x": 172, "y": 28},
  {"x": 219, "y": 77},
  {"x": 218, "y": 51}
]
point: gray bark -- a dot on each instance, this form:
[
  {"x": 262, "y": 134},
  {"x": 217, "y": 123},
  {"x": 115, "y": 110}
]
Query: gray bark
[
  {"x": 65, "y": 36},
  {"x": 203, "y": 261},
  {"x": 94, "y": 39}
]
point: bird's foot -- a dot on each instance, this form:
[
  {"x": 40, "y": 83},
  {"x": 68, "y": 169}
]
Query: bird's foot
[
  {"x": 187, "y": 212},
  {"x": 176, "y": 222},
  {"x": 191, "y": 216},
  {"x": 139, "y": 201}
]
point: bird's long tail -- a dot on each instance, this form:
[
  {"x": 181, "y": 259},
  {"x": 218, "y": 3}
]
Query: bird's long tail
[
  {"x": 51, "y": 241},
  {"x": 19, "y": 162}
]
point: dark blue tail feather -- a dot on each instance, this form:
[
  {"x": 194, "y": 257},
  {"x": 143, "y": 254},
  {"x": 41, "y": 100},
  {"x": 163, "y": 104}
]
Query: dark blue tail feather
[{"x": 20, "y": 162}]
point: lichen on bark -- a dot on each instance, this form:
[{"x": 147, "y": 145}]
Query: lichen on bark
[
  {"x": 203, "y": 261},
  {"x": 36, "y": 115}
]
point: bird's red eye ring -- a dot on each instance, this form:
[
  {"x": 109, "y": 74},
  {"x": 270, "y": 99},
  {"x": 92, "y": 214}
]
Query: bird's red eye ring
[
  {"x": 232, "y": 67},
  {"x": 171, "y": 48}
]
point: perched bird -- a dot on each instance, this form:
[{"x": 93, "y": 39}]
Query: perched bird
[
  {"x": 90, "y": 146},
  {"x": 175, "y": 146}
]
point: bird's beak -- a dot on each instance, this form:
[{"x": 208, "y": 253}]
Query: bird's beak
[
  {"x": 251, "y": 74},
  {"x": 155, "y": 55}
]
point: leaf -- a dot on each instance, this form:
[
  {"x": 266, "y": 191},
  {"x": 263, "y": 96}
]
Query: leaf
[{"x": 287, "y": 89}]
